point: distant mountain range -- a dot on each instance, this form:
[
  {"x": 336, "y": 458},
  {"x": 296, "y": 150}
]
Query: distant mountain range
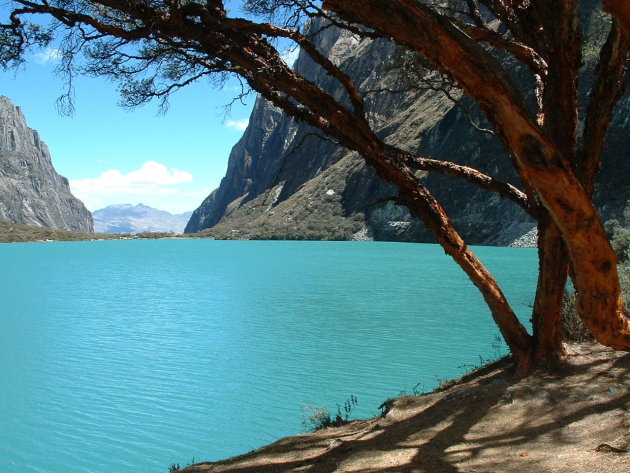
[{"x": 127, "y": 218}]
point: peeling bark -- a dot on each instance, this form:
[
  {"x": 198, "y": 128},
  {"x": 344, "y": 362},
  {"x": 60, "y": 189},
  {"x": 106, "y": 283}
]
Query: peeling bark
[
  {"x": 561, "y": 41},
  {"x": 620, "y": 10},
  {"x": 548, "y": 305}
]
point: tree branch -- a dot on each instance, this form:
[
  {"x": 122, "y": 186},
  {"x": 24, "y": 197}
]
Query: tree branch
[
  {"x": 467, "y": 174},
  {"x": 520, "y": 51},
  {"x": 608, "y": 89}
]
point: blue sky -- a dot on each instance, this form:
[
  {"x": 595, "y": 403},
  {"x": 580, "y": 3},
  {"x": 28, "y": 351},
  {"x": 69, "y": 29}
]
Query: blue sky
[{"x": 112, "y": 155}]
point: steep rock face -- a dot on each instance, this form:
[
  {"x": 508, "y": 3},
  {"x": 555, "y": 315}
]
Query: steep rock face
[
  {"x": 284, "y": 181},
  {"x": 31, "y": 191}
]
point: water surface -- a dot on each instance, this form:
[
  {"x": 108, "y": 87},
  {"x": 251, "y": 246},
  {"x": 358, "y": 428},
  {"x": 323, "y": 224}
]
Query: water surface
[{"x": 128, "y": 356}]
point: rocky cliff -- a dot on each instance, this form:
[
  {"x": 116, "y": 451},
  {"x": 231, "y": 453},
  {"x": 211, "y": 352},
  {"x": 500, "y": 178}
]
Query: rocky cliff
[
  {"x": 284, "y": 181},
  {"x": 31, "y": 191}
]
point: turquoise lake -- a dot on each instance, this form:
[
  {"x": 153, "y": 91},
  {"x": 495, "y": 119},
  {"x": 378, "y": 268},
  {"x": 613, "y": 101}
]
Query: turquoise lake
[{"x": 129, "y": 356}]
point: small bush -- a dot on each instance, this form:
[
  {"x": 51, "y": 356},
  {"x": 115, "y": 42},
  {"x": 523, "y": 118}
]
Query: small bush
[
  {"x": 317, "y": 418},
  {"x": 620, "y": 243},
  {"x": 573, "y": 329}
]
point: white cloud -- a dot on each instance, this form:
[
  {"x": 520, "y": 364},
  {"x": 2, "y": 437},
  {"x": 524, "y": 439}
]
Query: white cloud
[
  {"x": 238, "y": 125},
  {"x": 47, "y": 55},
  {"x": 151, "y": 180}
]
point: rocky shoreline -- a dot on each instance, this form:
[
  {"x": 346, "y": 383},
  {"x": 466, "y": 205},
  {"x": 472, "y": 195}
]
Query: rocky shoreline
[{"x": 528, "y": 240}]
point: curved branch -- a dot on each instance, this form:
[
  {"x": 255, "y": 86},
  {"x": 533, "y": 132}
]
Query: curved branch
[
  {"x": 520, "y": 51},
  {"x": 71, "y": 18},
  {"x": 608, "y": 89},
  {"x": 467, "y": 174}
]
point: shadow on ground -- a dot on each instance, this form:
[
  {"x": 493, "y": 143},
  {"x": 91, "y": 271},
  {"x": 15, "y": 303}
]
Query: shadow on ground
[{"x": 487, "y": 421}]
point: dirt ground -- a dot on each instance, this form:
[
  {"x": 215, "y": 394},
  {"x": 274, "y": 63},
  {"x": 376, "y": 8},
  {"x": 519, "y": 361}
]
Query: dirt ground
[{"x": 485, "y": 422}]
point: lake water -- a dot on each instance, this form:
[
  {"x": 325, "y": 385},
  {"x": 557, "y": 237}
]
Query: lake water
[{"x": 129, "y": 356}]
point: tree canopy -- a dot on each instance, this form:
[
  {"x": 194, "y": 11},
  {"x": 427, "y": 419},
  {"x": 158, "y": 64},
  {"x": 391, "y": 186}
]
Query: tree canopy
[{"x": 154, "y": 47}]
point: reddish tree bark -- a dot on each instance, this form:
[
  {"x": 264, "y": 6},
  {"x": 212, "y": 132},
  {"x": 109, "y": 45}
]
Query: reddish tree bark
[
  {"x": 548, "y": 304},
  {"x": 620, "y": 10},
  {"x": 539, "y": 160}
]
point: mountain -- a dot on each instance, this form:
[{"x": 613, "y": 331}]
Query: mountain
[
  {"x": 285, "y": 182},
  {"x": 31, "y": 191},
  {"x": 127, "y": 218}
]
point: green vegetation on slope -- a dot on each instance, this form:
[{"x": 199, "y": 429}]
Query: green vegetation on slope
[{"x": 315, "y": 212}]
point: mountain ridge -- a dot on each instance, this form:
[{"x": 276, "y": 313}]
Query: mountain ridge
[
  {"x": 129, "y": 218},
  {"x": 285, "y": 182},
  {"x": 31, "y": 190}
]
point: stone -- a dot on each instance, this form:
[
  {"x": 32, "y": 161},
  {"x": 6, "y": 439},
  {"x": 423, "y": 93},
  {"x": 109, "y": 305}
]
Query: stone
[{"x": 31, "y": 191}]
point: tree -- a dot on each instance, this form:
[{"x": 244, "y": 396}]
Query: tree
[{"x": 155, "y": 47}]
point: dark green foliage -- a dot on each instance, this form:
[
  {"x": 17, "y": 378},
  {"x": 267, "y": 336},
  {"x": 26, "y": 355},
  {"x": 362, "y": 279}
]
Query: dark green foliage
[
  {"x": 572, "y": 327},
  {"x": 619, "y": 235},
  {"x": 348, "y": 406}
]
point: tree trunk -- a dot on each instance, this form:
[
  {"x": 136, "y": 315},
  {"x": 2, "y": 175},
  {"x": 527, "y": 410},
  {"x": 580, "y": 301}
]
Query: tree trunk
[
  {"x": 548, "y": 305},
  {"x": 560, "y": 42}
]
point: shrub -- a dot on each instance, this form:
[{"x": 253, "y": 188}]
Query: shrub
[
  {"x": 620, "y": 243},
  {"x": 573, "y": 329},
  {"x": 624, "y": 279},
  {"x": 317, "y": 418}
]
